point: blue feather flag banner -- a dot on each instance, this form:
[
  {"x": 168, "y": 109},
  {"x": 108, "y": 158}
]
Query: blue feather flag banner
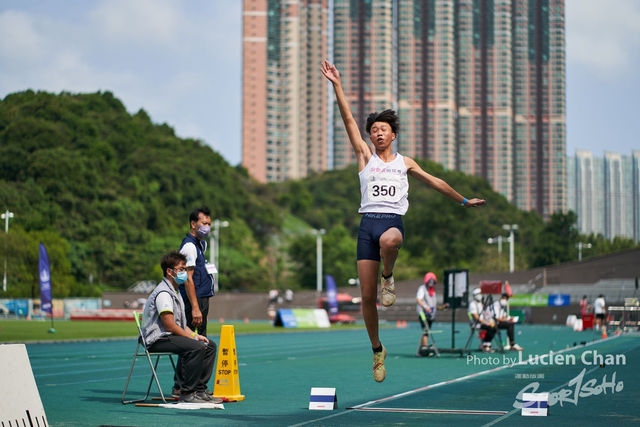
[
  {"x": 45, "y": 280},
  {"x": 332, "y": 295}
]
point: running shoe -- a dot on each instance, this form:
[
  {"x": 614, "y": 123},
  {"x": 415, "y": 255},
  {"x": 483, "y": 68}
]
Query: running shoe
[
  {"x": 388, "y": 291},
  {"x": 206, "y": 395},
  {"x": 487, "y": 349},
  {"x": 192, "y": 398},
  {"x": 379, "y": 371}
]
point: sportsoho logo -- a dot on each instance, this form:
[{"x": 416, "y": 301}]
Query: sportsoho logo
[{"x": 578, "y": 387}]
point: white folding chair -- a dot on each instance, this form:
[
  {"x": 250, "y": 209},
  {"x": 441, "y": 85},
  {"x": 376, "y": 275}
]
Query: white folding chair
[{"x": 141, "y": 351}]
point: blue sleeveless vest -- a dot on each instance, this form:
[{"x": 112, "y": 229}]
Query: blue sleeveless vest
[{"x": 202, "y": 281}]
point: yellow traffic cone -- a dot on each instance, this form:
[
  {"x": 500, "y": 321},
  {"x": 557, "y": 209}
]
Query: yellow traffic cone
[{"x": 227, "y": 384}]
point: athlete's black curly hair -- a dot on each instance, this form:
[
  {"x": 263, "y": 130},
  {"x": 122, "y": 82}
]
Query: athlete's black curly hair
[{"x": 387, "y": 116}]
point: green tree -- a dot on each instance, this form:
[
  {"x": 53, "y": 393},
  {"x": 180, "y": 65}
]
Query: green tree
[
  {"x": 119, "y": 188},
  {"x": 601, "y": 245},
  {"x": 339, "y": 255},
  {"x": 557, "y": 241},
  {"x": 22, "y": 251}
]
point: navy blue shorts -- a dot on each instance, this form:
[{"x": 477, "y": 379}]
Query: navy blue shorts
[{"x": 372, "y": 226}]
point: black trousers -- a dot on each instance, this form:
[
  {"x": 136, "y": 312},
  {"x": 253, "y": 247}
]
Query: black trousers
[
  {"x": 203, "y": 304},
  {"x": 195, "y": 361},
  {"x": 490, "y": 333},
  {"x": 510, "y": 331}
]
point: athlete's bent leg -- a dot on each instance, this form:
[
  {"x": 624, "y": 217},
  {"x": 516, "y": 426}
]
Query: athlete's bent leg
[{"x": 390, "y": 242}]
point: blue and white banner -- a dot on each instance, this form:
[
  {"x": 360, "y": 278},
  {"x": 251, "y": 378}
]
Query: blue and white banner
[
  {"x": 45, "y": 280},
  {"x": 332, "y": 295},
  {"x": 558, "y": 300}
]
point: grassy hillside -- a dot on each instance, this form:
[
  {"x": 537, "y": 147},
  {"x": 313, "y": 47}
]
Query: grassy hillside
[{"x": 109, "y": 192}]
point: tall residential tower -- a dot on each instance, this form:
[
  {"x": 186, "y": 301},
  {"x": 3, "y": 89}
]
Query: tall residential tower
[
  {"x": 284, "y": 104},
  {"x": 485, "y": 91},
  {"x": 427, "y": 80},
  {"x": 539, "y": 105},
  {"x": 363, "y": 53},
  {"x": 605, "y": 193}
]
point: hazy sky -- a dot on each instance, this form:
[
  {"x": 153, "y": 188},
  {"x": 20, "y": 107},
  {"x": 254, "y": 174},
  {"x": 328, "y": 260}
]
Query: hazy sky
[{"x": 181, "y": 61}]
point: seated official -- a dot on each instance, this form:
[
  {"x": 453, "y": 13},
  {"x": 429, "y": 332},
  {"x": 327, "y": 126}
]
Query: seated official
[
  {"x": 164, "y": 326},
  {"x": 481, "y": 319},
  {"x": 504, "y": 321}
]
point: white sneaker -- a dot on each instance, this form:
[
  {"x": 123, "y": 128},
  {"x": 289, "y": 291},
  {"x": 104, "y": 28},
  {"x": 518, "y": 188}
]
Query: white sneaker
[
  {"x": 487, "y": 349},
  {"x": 516, "y": 347},
  {"x": 507, "y": 347},
  {"x": 379, "y": 371},
  {"x": 388, "y": 296}
]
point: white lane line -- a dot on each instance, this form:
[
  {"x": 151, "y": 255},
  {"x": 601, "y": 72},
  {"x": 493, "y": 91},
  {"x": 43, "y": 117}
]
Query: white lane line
[{"x": 434, "y": 411}]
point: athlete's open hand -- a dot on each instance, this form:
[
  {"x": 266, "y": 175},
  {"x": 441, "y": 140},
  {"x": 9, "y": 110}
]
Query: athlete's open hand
[
  {"x": 330, "y": 72},
  {"x": 474, "y": 203}
]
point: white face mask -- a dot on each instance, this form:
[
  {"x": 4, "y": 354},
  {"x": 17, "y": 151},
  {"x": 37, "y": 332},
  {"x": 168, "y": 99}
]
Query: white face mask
[
  {"x": 503, "y": 302},
  {"x": 478, "y": 297}
]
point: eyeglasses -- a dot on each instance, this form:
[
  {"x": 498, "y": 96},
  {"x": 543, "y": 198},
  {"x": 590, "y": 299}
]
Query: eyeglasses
[{"x": 179, "y": 270}]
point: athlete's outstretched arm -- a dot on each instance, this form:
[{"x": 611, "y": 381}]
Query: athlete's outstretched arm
[
  {"x": 361, "y": 149},
  {"x": 438, "y": 184}
]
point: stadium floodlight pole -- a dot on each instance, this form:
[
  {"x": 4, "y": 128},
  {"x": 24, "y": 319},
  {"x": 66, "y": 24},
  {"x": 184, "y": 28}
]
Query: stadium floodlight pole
[
  {"x": 581, "y": 245},
  {"x": 6, "y": 217},
  {"x": 319, "y": 234},
  {"x": 510, "y": 228},
  {"x": 498, "y": 240},
  {"x": 214, "y": 243}
]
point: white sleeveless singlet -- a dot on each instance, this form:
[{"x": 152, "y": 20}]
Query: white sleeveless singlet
[{"x": 384, "y": 187}]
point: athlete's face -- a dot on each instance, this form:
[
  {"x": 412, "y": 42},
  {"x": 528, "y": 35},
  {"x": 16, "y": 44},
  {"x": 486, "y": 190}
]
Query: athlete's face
[{"x": 381, "y": 135}]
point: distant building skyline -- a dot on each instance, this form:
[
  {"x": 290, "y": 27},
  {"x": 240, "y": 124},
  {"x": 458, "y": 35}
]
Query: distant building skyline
[
  {"x": 481, "y": 89},
  {"x": 604, "y": 192},
  {"x": 478, "y": 86}
]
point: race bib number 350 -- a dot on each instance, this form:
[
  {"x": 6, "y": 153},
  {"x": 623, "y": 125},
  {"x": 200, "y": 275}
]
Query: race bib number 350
[{"x": 385, "y": 188}]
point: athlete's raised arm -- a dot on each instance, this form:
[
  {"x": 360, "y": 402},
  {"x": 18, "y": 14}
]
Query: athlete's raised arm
[
  {"x": 360, "y": 147},
  {"x": 439, "y": 185}
]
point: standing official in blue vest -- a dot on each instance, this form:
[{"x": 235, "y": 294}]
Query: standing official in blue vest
[{"x": 198, "y": 288}]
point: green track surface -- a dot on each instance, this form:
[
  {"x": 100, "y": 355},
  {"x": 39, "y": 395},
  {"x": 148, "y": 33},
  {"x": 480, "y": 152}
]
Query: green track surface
[{"x": 80, "y": 383}]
